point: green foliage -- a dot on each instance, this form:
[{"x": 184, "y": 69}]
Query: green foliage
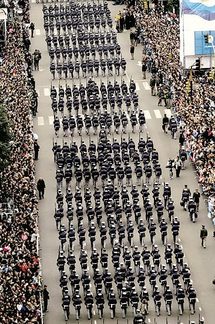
[
  {"x": 173, "y": 4},
  {"x": 5, "y": 138}
]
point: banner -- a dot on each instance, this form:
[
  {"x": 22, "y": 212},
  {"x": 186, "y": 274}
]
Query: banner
[
  {"x": 197, "y": 22},
  {"x": 202, "y": 8}
]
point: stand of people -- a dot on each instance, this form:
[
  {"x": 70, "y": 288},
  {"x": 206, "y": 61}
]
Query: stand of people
[
  {"x": 20, "y": 264},
  {"x": 194, "y": 112}
]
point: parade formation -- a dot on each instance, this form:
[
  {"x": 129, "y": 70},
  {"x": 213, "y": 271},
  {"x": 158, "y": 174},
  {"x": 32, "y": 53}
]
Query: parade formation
[{"x": 115, "y": 209}]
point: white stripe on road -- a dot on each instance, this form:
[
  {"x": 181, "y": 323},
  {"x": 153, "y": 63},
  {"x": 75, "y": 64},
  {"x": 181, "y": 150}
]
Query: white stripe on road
[
  {"x": 37, "y": 32},
  {"x": 33, "y": 1},
  {"x": 146, "y": 86},
  {"x": 137, "y": 87},
  {"x": 51, "y": 120},
  {"x": 40, "y": 121},
  {"x": 157, "y": 113},
  {"x": 168, "y": 112},
  {"x": 147, "y": 114},
  {"x": 46, "y": 92}
]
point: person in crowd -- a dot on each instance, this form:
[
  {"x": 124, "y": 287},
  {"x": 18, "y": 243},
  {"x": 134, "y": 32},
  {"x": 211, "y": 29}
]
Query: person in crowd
[
  {"x": 196, "y": 198},
  {"x": 165, "y": 122},
  {"x": 36, "y": 149},
  {"x": 203, "y": 236},
  {"x": 132, "y": 48},
  {"x": 195, "y": 115},
  {"x": 37, "y": 57},
  {"x": 45, "y": 298},
  {"x": 20, "y": 285},
  {"x": 144, "y": 69},
  {"x": 32, "y": 28},
  {"x": 178, "y": 165},
  {"x": 41, "y": 188}
]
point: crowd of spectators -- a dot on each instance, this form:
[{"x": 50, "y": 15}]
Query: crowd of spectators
[
  {"x": 19, "y": 261},
  {"x": 161, "y": 42}
]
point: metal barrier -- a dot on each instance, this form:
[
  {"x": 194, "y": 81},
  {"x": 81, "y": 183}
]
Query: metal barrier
[
  {"x": 40, "y": 272},
  {"x": 39, "y": 280}
]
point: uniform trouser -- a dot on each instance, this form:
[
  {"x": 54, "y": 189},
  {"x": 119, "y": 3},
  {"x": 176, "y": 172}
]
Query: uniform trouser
[
  {"x": 101, "y": 309},
  {"x": 67, "y": 312},
  {"x": 114, "y": 311},
  {"x": 152, "y": 238},
  {"x": 163, "y": 238},
  {"x": 130, "y": 239},
  {"x": 174, "y": 238},
  {"x": 173, "y": 133},
  {"x": 103, "y": 243},
  {"x": 59, "y": 74},
  {"x": 120, "y": 240},
  {"x": 141, "y": 127},
  {"x": 92, "y": 243},
  {"x": 194, "y": 306},
  {"x": 137, "y": 219},
  {"x": 182, "y": 307},
  {"x": 82, "y": 243},
  {"x": 58, "y": 223},
  {"x": 141, "y": 239},
  {"x": 170, "y": 305},
  {"x": 78, "y": 310},
  {"x": 71, "y": 244}
]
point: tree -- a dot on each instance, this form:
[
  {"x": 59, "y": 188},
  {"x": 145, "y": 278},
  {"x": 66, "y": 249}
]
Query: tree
[
  {"x": 173, "y": 5},
  {"x": 5, "y": 138}
]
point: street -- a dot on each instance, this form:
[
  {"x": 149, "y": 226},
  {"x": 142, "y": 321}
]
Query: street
[{"x": 201, "y": 261}]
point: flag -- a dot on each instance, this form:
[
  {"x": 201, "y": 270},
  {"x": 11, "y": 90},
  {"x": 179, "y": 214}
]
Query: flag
[{"x": 202, "y": 8}]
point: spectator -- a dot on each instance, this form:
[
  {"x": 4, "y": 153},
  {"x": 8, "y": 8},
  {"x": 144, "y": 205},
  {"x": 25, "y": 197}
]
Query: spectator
[
  {"x": 20, "y": 301},
  {"x": 132, "y": 51},
  {"x": 32, "y": 27},
  {"x": 36, "y": 150},
  {"x": 37, "y": 58},
  {"x": 203, "y": 236},
  {"x": 158, "y": 31},
  {"x": 45, "y": 299},
  {"x": 41, "y": 188}
]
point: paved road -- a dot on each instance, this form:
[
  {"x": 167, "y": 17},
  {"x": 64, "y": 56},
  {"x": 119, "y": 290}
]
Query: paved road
[{"x": 202, "y": 262}]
